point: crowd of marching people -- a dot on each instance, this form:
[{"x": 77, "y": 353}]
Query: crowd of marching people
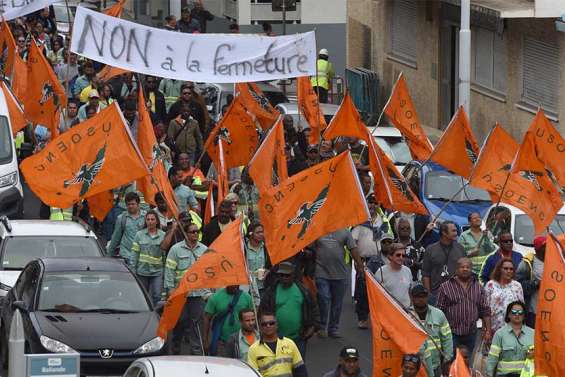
[{"x": 446, "y": 279}]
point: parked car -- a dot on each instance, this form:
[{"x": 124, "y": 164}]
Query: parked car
[
  {"x": 216, "y": 96},
  {"x": 435, "y": 186},
  {"x": 519, "y": 224},
  {"x": 291, "y": 108},
  {"x": 64, "y": 17},
  {"x": 11, "y": 192},
  {"x": 391, "y": 141},
  {"x": 22, "y": 241},
  {"x": 92, "y": 306},
  {"x": 181, "y": 366}
]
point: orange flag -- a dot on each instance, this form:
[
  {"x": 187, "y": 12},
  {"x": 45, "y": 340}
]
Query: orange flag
[
  {"x": 97, "y": 155},
  {"x": 549, "y": 146},
  {"x": 532, "y": 193},
  {"x": 257, "y": 104},
  {"x": 158, "y": 180},
  {"x": 17, "y": 118},
  {"x": 116, "y": 9},
  {"x": 221, "y": 265},
  {"x": 8, "y": 44},
  {"x": 108, "y": 72},
  {"x": 310, "y": 204},
  {"x": 391, "y": 189},
  {"x": 270, "y": 151},
  {"x": 44, "y": 94},
  {"x": 347, "y": 122},
  {"x": 550, "y": 322},
  {"x": 459, "y": 367},
  {"x": 457, "y": 149},
  {"x": 239, "y": 133},
  {"x": 395, "y": 332},
  {"x": 100, "y": 205},
  {"x": 309, "y": 106},
  {"x": 19, "y": 78},
  {"x": 401, "y": 112}
]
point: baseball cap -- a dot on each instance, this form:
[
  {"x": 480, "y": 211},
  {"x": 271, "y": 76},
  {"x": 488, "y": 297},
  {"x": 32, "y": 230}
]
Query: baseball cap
[
  {"x": 185, "y": 9},
  {"x": 419, "y": 290},
  {"x": 539, "y": 241},
  {"x": 286, "y": 268},
  {"x": 93, "y": 94},
  {"x": 349, "y": 352},
  {"x": 386, "y": 236}
]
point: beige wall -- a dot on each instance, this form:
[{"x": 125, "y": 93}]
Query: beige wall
[{"x": 366, "y": 16}]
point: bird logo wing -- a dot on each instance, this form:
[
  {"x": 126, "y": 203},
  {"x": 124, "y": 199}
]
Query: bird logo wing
[
  {"x": 531, "y": 176},
  {"x": 87, "y": 173},
  {"x": 400, "y": 184},
  {"x": 46, "y": 92},
  {"x": 260, "y": 99},
  {"x": 470, "y": 151}
]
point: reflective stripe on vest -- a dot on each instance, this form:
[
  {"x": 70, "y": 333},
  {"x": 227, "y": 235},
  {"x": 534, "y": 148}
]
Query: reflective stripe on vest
[
  {"x": 321, "y": 79},
  {"x": 58, "y": 214}
]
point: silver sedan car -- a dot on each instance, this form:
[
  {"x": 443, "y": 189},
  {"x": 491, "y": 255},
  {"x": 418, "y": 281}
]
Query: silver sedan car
[{"x": 194, "y": 366}]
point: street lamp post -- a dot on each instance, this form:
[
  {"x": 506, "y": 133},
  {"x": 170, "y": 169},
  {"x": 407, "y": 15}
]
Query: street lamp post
[{"x": 465, "y": 56}]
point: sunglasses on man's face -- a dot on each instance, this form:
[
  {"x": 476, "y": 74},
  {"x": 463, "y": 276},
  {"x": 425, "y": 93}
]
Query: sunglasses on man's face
[
  {"x": 268, "y": 323},
  {"x": 517, "y": 312}
]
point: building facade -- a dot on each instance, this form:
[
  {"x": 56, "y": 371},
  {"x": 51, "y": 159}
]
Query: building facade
[{"x": 517, "y": 56}]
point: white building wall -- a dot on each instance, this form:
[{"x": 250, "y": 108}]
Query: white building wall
[{"x": 323, "y": 11}]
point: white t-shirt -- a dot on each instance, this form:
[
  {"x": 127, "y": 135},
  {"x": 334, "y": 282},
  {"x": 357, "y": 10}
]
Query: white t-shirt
[{"x": 397, "y": 283}]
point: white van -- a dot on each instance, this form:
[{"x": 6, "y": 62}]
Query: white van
[{"x": 11, "y": 193}]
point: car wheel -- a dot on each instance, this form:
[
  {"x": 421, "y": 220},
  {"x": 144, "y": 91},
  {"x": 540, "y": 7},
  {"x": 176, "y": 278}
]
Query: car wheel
[{"x": 4, "y": 347}]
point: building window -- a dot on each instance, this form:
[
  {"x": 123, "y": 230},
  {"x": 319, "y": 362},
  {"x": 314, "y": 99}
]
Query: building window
[
  {"x": 403, "y": 41},
  {"x": 540, "y": 74},
  {"x": 488, "y": 61}
]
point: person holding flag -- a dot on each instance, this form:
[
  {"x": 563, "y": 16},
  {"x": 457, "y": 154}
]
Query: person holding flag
[{"x": 180, "y": 258}]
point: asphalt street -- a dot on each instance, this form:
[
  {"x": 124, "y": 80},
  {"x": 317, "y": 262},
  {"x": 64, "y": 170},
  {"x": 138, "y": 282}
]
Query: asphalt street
[{"x": 322, "y": 354}]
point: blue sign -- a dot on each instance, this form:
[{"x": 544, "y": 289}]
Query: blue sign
[{"x": 53, "y": 365}]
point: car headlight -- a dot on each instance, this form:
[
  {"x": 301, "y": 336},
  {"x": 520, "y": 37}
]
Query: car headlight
[
  {"x": 9, "y": 179},
  {"x": 153, "y": 345},
  {"x": 55, "y": 346}
]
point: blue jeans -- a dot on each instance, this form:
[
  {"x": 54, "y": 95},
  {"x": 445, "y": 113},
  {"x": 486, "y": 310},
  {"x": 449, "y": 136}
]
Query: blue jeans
[
  {"x": 301, "y": 345},
  {"x": 153, "y": 285},
  {"x": 330, "y": 301}
]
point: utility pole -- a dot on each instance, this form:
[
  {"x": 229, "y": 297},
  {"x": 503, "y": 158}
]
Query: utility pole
[
  {"x": 465, "y": 57},
  {"x": 284, "y": 16}
]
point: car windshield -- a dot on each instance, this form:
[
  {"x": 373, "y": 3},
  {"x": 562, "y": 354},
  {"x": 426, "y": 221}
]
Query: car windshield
[
  {"x": 442, "y": 185},
  {"x": 5, "y": 141},
  {"x": 91, "y": 291},
  {"x": 395, "y": 148},
  {"x": 524, "y": 228},
  {"x": 18, "y": 251}
]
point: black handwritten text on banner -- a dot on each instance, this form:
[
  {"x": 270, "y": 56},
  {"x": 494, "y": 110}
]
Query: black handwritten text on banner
[
  {"x": 10, "y": 9},
  {"x": 220, "y": 58}
]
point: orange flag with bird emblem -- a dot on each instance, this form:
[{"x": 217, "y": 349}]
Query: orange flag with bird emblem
[
  {"x": 257, "y": 104},
  {"x": 309, "y": 107},
  {"x": 44, "y": 94},
  {"x": 7, "y": 44},
  {"x": 95, "y": 156},
  {"x": 550, "y": 322},
  {"x": 223, "y": 264},
  {"x": 238, "y": 131},
  {"x": 270, "y": 152},
  {"x": 310, "y": 204},
  {"x": 549, "y": 147},
  {"x": 158, "y": 180},
  {"x": 391, "y": 189},
  {"x": 116, "y": 9},
  {"x": 400, "y": 110},
  {"x": 17, "y": 118},
  {"x": 531, "y": 192},
  {"x": 457, "y": 150},
  {"x": 395, "y": 333}
]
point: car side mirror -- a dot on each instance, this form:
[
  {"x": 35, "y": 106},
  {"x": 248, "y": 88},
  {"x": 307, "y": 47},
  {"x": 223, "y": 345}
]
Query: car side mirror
[{"x": 20, "y": 305}]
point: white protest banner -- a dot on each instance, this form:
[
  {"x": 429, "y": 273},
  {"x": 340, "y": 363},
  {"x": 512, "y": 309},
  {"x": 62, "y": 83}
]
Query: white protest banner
[
  {"x": 220, "y": 58},
  {"x": 10, "y": 9}
]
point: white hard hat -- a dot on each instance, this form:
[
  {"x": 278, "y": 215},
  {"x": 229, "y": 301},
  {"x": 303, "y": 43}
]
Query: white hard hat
[{"x": 323, "y": 51}]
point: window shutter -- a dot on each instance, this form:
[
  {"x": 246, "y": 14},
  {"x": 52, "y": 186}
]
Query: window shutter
[
  {"x": 541, "y": 73},
  {"x": 403, "y": 39}
]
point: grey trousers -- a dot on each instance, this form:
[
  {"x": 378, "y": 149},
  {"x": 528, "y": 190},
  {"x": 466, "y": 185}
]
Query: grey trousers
[{"x": 189, "y": 326}]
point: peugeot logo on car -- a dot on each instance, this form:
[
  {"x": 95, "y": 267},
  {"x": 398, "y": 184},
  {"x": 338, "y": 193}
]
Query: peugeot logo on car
[{"x": 106, "y": 353}]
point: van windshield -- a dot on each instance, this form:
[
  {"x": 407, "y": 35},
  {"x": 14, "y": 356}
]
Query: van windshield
[{"x": 6, "y": 141}]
